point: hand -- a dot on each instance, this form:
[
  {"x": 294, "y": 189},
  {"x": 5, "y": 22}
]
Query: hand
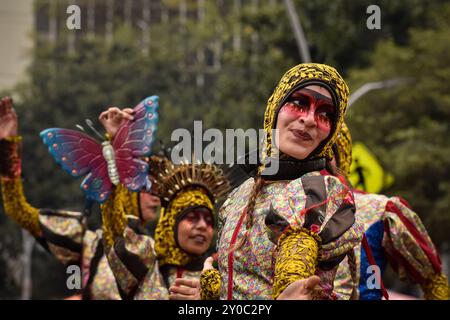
[
  {"x": 185, "y": 289},
  {"x": 300, "y": 289},
  {"x": 113, "y": 118},
  {"x": 208, "y": 264},
  {"x": 8, "y": 119},
  {"x": 189, "y": 289}
]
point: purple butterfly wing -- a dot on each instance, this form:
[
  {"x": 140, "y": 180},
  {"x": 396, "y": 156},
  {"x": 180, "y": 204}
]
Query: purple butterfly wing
[
  {"x": 79, "y": 154},
  {"x": 134, "y": 139}
]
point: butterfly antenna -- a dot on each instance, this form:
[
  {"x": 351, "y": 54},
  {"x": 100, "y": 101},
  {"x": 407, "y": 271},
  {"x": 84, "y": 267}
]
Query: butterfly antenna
[{"x": 91, "y": 126}]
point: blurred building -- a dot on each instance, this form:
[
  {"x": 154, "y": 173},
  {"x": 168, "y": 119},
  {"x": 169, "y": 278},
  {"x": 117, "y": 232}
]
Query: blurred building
[
  {"x": 16, "y": 24},
  {"x": 101, "y": 17},
  {"x": 20, "y": 19}
]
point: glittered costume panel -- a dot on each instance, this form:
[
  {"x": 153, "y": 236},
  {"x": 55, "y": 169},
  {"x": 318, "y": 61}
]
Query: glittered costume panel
[{"x": 254, "y": 261}]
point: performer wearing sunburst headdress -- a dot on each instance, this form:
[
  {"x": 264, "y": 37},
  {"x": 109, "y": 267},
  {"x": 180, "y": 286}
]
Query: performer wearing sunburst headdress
[
  {"x": 146, "y": 268},
  {"x": 394, "y": 234}
]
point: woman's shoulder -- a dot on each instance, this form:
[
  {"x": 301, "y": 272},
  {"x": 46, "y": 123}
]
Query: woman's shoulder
[
  {"x": 317, "y": 177},
  {"x": 243, "y": 190}
]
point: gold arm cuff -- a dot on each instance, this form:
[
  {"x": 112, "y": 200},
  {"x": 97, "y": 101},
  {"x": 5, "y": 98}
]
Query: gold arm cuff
[{"x": 297, "y": 258}]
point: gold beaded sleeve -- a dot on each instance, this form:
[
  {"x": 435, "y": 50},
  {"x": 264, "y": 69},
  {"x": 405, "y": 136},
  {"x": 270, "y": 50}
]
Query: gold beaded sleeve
[
  {"x": 114, "y": 215},
  {"x": 14, "y": 201},
  {"x": 297, "y": 258},
  {"x": 129, "y": 249},
  {"x": 17, "y": 207},
  {"x": 210, "y": 285}
]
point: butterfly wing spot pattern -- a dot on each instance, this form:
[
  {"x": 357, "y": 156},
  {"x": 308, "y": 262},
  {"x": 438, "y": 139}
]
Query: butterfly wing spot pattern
[{"x": 107, "y": 163}]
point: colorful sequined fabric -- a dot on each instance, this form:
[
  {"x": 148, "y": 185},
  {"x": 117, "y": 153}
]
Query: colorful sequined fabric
[
  {"x": 254, "y": 261},
  {"x": 103, "y": 285},
  {"x": 137, "y": 270},
  {"x": 392, "y": 230}
]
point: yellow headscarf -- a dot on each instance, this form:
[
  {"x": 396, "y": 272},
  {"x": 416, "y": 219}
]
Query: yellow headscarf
[
  {"x": 300, "y": 76},
  {"x": 181, "y": 187},
  {"x": 167, "y": 250},
  {"x": 343, "y": 148}
]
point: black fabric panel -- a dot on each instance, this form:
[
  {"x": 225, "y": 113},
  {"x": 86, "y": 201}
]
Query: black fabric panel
[
  {"x": 59, "y": 213},
  {"x": 276, "y": 224},
  {"x": 60, "y": 241},
  {"x": 288, "y": 169},
  {"x": 93, "y": 268},
  {"x": 339, "y": 223},
  {"x": 315, "y": 191},
  {"x": 330, "y": 264},
  {"x": 136, "y": 226},
  {"x": 165, "y": 272},
  {"x": 131, "y": 261},
  {"x": 43, "y": 243},
  {"x": 124, "y": 295}
]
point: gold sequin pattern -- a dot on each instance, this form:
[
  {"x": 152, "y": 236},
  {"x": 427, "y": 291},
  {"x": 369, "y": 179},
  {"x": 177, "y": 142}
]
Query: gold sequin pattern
[
  {"x": 344, "y": 149},
  {"x": 130, "y": 201},
  {"x": 168, "y": 179},
  {"x": 168, "y": 252},
  {"x": 437, "y": 288},
  {"x": 114, "y": 215},
  {"x": 17, "y": 207},
  {"x": 297, "y": 258},
  {"x": 210, "y": 285},
  {"x": 294, "y": 77}
]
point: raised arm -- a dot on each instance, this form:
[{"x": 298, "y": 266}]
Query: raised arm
[{"x": 61, "y": 232}]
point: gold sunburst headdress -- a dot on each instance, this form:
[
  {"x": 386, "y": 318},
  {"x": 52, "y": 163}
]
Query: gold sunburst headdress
[{"x": 181, "y": 187}]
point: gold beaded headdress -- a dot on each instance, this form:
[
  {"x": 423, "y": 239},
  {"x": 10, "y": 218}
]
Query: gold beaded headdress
[
  {"x": 181, "y": 187},
  {"x": 343, "y": 148},
  {"x": 303, "y": 75}
]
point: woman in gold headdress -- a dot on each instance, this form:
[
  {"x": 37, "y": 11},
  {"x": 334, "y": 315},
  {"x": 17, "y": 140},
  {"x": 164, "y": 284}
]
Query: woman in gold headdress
[
  {"x": 283, "y": 230},
  {"x": 146, "y": 268},
  {"x": 394, "y": 235}
]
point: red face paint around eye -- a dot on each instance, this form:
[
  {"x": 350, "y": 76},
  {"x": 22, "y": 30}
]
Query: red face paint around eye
[
  {"x": 304, "y": 101},
  {"x": 198, "y": 214},
  {"x": 304, "y": 121}
]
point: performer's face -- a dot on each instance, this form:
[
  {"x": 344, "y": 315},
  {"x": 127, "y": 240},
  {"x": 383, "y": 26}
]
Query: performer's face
[
  {"x": 195, "y": 231},
  {"x": 304, "y": 121},
  {"x": 149, "y": 205}
]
